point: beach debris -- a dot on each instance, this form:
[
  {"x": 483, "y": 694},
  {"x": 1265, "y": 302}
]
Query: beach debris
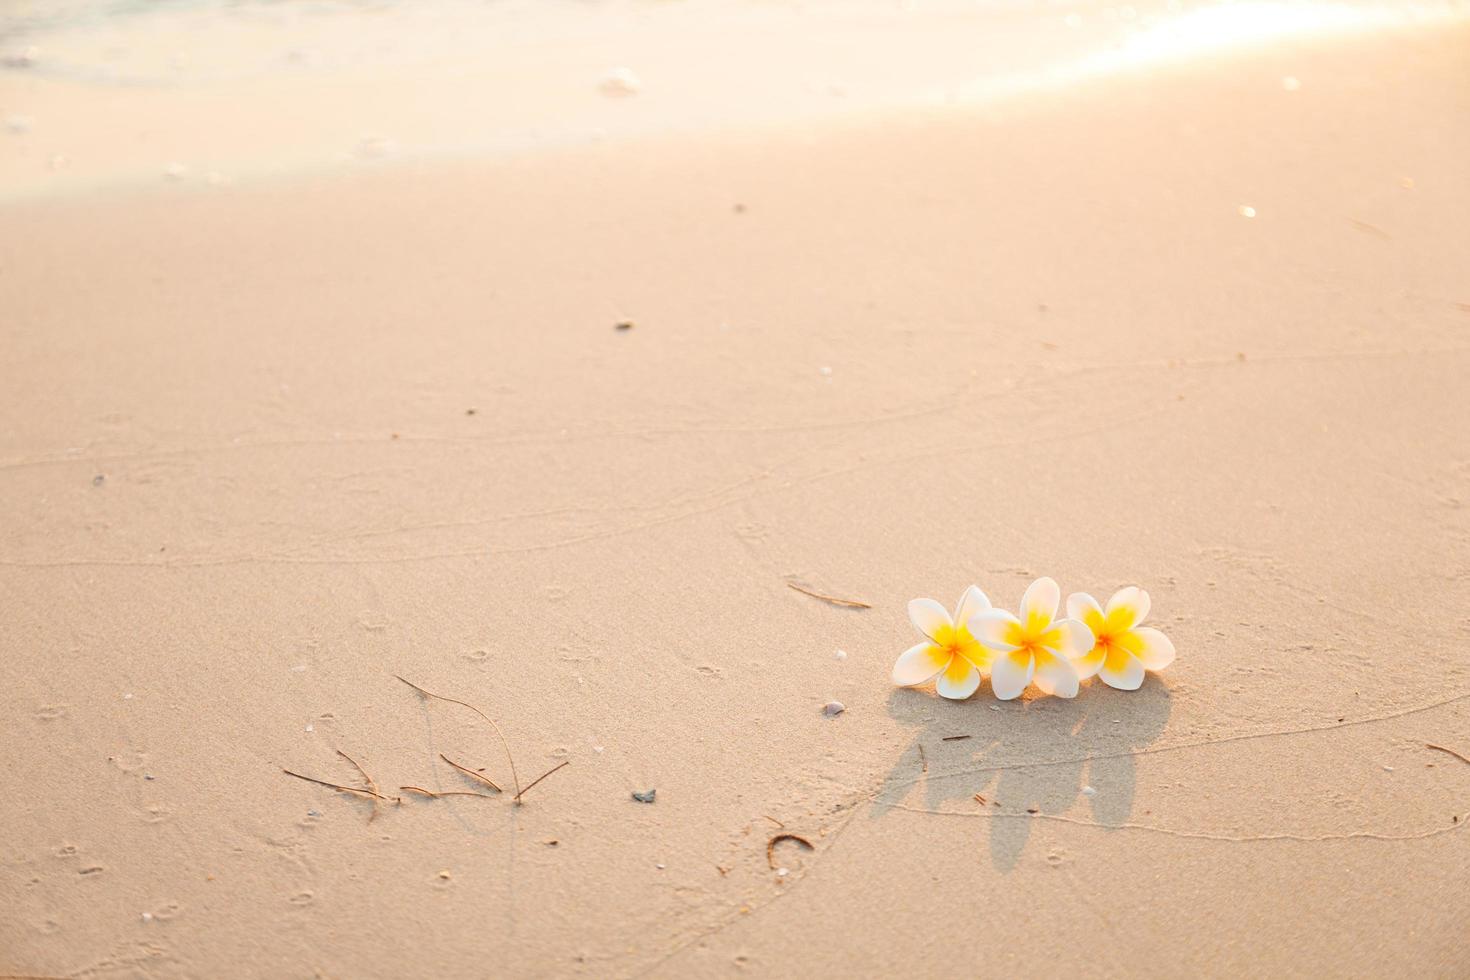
[
  {"x": 954, "y": 738},
  {"x": 1246, "y": 211},
  {"x": 341, "y": 789},
  {"x": 647, "y": 796},
  {"x": 620, "y": 82},
  {"x": 980, "y": 799},
  {"x": 370, "y": 784},
  {"x": 538, "y": 779},
  {"x": 434, "y": 796},
  {"x": 841, "y": 655},
  {"x": 833, "y": 708},
  {"x": 834, "y": 600},
  {"x": 473, "y": 774},
  {"x": 771, "y": 846},
  {"x": 660, "y": 865},
  {"x": 98, "y": 480},
  {"x": 923, "y": 759},
  {"x": 623, "y": 325},
  {"x": 1088, "y": 791},
  {"x": 1373, "y": 230},
  {"x": 1441, "y": 748},
  {"x": 782, "y": 872},
  {"x": 470, "y": 411},
  {"x": 1032, "y": 809},
  {"x": 444, "y": 876},
  {"x": 464, "y": 704}
]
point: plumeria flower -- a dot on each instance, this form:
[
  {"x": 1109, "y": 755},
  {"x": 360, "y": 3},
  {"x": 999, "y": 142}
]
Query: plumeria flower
[
  {"x": 1034, "y": 646},
  {"x": 949, "y": 655},
  {"x": 1122, "y": 649}
]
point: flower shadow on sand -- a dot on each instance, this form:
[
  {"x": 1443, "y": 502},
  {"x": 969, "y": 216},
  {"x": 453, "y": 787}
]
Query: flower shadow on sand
[{"x": 1022, "y": 756}]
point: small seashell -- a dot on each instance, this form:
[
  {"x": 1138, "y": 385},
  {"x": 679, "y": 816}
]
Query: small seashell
[{"x": 833, "y": 708}]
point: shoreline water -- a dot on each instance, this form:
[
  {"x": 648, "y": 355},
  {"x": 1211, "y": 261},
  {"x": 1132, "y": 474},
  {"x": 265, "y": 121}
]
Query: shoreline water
[{"x": 475, "y": 84}]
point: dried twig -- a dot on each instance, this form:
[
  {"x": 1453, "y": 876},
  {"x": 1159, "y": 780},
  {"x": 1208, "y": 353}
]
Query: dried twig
[
  {"x": 371, "y": 785},
  {"x": 771, "y": 846},
  {"x": 538, "y": 779},
  {"x": 1441, "y": 748},
  {"x": 954, "y": 738},
  {"x": 847, "y": 603},
  {"x": 979, "y": 799},
  {"x": 472, "y": 774},
  {"x": 466, "y": 704},
  {"x": 434, "y": 796},
  {"x": 924, "y": 759},
  {"x": 340, "y": 789}
]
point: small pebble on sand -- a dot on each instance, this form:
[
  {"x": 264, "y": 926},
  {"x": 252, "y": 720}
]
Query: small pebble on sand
[
  {"x": 841, "y": 654},
  {"x": 619, "y": 82},
  {"x": 833, "y": 708},
  {"x": 1246, "y": 211},
  {"x": 1088, "y": 791},
  {"x": 24, "y": 58}
]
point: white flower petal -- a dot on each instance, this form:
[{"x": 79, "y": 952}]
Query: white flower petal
[
  {"x": 992, "y": 629},
  {"x": 929, "y": 617},
  {"x": 919, "y": 663},
  {"x": 1121, "y": 670},
  {"x": 1039, "y": 604},
  {"x": 1126, "y": 609},
  {"x": 1077, "y": 639},
  {"x": 1089, "y": 665},
  {"x": 1153, "y": 649},
  {"x": 1078, "y": 603},
  {"x": 1055, "y": 675},
  {"x": 959, "y": 680},
  {"x": 972, "y": 602},
  {"x": 1009, "y": 674}
]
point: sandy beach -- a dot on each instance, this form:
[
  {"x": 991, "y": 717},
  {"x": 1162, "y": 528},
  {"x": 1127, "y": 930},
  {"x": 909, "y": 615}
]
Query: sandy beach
[{"x": 305, "y": 415}]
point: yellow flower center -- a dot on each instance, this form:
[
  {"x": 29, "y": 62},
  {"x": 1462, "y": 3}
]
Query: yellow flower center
[
  {"x": 956, "y": 641},
  {"x": 1033, "y": 637}
]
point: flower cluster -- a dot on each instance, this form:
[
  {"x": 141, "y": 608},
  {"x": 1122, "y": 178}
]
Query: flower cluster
[{"x": 1033, "y": 646}]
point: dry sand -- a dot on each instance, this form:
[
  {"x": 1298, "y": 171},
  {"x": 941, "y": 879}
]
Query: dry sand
[{"x": 266, "y": 447}]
